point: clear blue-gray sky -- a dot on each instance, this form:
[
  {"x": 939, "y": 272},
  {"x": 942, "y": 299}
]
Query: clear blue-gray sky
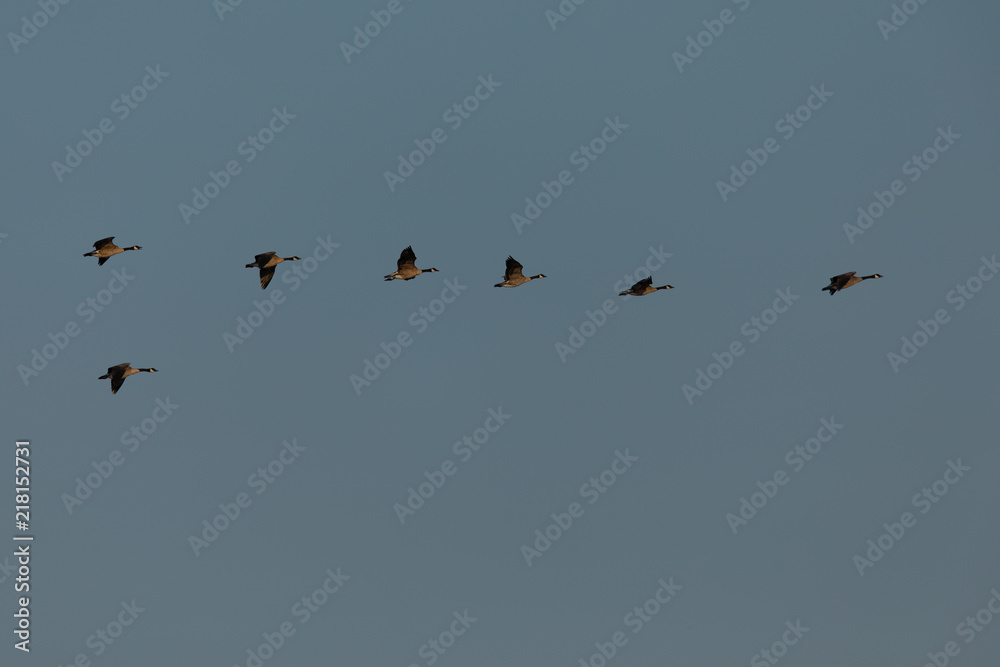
[{"x": 725, "y": 144}]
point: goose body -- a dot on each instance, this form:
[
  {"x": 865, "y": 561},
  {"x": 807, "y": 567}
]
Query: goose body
[
  {"x": 845, "y": 280},
  {"x": 513, "y": 277},
  {"x": 266, "y": 263},
  {"x": 105, "y": 250},
  {"x": 120, "y": 372},
  {"x": 406, "y": 266},
  {"x": 643, "y": 287}
]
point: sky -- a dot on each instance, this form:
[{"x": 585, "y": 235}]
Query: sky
[{"x": 340, "y": 470}]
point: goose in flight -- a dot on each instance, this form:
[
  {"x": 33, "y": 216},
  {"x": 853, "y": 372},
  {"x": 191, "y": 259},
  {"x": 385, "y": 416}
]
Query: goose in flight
[
  {"x": 105, "y": 250},
  {"x": 120, "y": 372},
  {"x": 845, "y": 280},
  {"x": 266, "y": 263},
  {"x": 405, "y": 266},
  {"x": 513, "y": 277},
  {"x": 643, "y": 287}
]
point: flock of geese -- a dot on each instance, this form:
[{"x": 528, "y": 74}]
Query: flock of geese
[{"x": 406, "y": 269}]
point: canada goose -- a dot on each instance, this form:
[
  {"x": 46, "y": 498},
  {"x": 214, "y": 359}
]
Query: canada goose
[
  {"x": 845, "y": 280},
  {"x": 105, "y": 250},
  {"x": 120, "y": 372},
  {"x": 405, "y": 269},
  {"x": 513, "y": 277},
  {"x": 643, "y": 287},
  {"x": 266, "y": 263}
]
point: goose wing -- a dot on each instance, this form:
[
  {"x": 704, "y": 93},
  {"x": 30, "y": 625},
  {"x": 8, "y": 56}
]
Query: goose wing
[
  {"x": 406, "y": 258},
  {"x": 263, "y": 258},
  {"x": 266, "y": 273},
  {"x": 639, "y": 286},
  {"x": 843, "y": 277},
  {"x": 103, "y": 242},
  {"x": 513, "y": 268}
]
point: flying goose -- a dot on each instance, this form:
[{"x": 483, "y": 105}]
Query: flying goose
[
  {"x": 405, "y": 269},
  {"x": 513, "y": 277},
  {"x": 266, "y": 263},
  {"x": 105, "y": 250},
  {"x": 845, "y": 280},
  {"x": 120, "y": 372},
  {"x": 643, "y": 287}
]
